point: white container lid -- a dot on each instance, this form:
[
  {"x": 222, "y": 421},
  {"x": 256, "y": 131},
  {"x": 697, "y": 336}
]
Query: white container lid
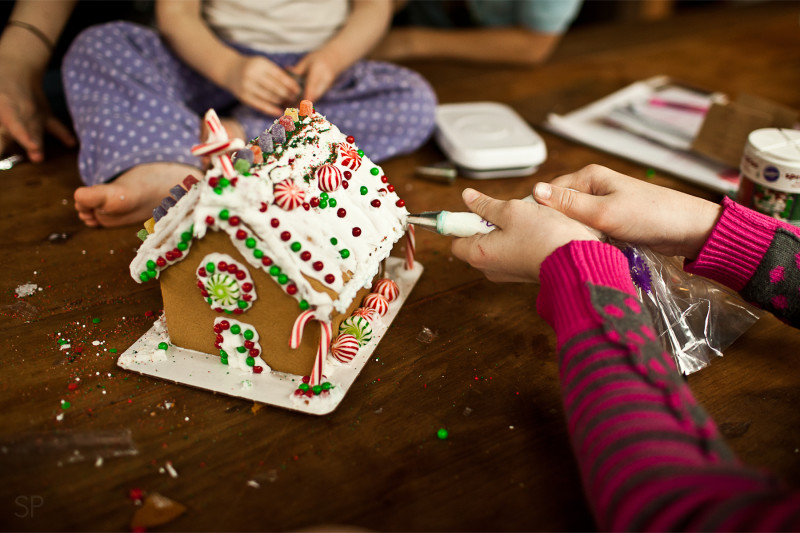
[
  {"x": 772, "y": 157},
  {"x": 486, "y": 136}
]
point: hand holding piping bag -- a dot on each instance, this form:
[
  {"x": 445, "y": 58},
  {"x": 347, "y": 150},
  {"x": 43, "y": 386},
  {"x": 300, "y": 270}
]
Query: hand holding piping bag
[
  {"x": 528, "y": 234},
  {"x": 461, "y": 224}
]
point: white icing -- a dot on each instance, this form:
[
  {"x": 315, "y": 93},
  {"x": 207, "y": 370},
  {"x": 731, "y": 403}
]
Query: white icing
[{"x": 380, "y": 227}]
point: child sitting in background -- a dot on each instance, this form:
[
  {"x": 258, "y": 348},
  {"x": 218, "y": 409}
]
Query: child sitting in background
[
  {"x": 650, "y": 457},
  {"x": 137, "y": 97}
]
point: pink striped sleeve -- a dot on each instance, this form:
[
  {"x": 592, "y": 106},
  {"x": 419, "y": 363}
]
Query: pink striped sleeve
[
  {"x": 650, "y": 457},
  {"x": 737, "y": 245}
]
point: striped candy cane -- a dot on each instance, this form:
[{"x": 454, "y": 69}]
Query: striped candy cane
[
  {"x": 318, "y": 371},
  {"x": 217, "y": 147},
  {"x": 322, "y": 348},
  {"x": 410, "y": 247},
  {"x": 299, "y": 326},
  {"x": 215, "y": 128}
]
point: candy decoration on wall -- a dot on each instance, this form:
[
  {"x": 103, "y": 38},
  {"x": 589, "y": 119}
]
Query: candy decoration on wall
[
  {"x": 225, "y": 284},
  {"x": 349, "y": 156},
  {"x": 298, "y": 328},
  {"x": 323, "y": 346},
  {"x": 329, "y": 177},
  {"x": 288, "y": 195},
  {"x": 377, "y": 302},
  {"x": 344, "y": 348},
  {"x": 358, "y": 327},
  {"x": 386, "y": 288},
  {"x": 238, "y": 345}
]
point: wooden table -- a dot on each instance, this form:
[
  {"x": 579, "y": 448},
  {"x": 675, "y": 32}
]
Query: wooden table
[{"x": 489, "y": 376}]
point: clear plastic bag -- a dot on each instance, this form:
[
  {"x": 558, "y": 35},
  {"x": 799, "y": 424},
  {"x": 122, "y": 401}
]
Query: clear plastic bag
[{"x": 696, "y": 318}]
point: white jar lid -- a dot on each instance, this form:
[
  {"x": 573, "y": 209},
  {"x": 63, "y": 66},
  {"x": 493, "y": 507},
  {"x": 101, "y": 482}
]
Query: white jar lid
[{"x": 772, "y": 158}]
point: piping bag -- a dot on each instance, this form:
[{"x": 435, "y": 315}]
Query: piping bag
[{"x": 462, "y": 224}]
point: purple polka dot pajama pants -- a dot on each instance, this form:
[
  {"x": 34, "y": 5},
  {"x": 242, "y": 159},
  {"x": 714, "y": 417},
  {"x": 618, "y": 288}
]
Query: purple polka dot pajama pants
[{"x": 133, "y": 101}]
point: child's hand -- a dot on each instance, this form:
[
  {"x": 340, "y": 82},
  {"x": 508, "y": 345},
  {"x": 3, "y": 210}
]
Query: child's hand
[
  {"x": 263, "y": 85},
  {"x": 527, "y": 233},
  {"x": 25, "y": 116},
  {"x": 319, "y": 68},
  {"x": 631, "y": 210}
]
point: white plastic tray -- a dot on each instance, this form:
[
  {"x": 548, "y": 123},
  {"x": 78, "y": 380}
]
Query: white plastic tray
[{"x": 205, "y": 371}]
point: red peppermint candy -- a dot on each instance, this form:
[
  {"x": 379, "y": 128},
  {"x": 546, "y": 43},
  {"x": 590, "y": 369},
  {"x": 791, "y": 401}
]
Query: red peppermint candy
[
  {"x": 329, "y": 177},
  {"x": 377, "y": 302},
  {"x": 288, "y": 195},
  {"x": 344, "y": 348},
  {"x": 349, "y": 156},
  {"x": 367, "y": 313},
  {"x": 386, "y": 288}
]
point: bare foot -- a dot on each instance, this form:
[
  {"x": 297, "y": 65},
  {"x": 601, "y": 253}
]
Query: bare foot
[{"x": 132, "y": 197}]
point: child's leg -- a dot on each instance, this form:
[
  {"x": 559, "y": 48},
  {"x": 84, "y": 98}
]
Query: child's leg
[
  {"x": 387, "y": 108},
  {"x": 136, "y": 110}
]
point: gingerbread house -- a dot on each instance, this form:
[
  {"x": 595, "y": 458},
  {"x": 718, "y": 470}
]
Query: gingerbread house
[{"x": 289, "y": 228}]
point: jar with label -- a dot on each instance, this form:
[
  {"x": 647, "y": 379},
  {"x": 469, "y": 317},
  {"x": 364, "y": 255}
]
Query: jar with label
[{"x": 770, "y": 173}]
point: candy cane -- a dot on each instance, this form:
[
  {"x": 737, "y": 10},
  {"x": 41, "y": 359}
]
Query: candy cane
[
  {"x": 322, "y": 353},
  {"x": 322, "y": 348},
  {"x": 410, "y": 246},
  {"x": 299, "y": 326},
  {"x": 217, "y": 131},
  {"x": 224, "y": 161},
  {"x": 217, "y": 147}
]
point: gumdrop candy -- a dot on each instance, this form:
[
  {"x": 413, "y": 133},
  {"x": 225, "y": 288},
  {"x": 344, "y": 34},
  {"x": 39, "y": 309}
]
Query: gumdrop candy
[
  {"x": 265, "y": 142},
  {"x": 258, "y": 157},
  {"x": 168, "y": 202},
  {"x": 177, "y": 192},
  {"x": 189, "y": 181},
  {"x": 149, "y": 225},
  {"x": 242, "y": 166},
  {"x": 292, "y": 112},
  {"x": 287, "y": 122},
  {"x": 244, "y": 154},
  {"x": 278, "y": 133},
  {"x": 142, "y": 234},
  {"x": 306, "y": 108},
  {"x": 159, "y": 212}
]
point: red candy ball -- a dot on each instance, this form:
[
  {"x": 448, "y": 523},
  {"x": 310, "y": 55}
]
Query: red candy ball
[
  {"x": 356, "y": 232},
  {"x": 350, "y": 139},
  {"x": 341, "y": 213},
  {"x": 318, "y": 265}
]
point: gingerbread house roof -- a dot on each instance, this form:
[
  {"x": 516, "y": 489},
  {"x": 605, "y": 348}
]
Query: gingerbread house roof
[{"x": 314, "y": 213}]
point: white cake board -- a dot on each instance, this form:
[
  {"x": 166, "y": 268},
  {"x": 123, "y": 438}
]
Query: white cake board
[{"x": 205, "y": 371}]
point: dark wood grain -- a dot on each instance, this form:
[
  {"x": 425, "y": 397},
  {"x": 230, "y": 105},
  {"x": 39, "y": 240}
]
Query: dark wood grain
[{"x": 489, "y": 376}]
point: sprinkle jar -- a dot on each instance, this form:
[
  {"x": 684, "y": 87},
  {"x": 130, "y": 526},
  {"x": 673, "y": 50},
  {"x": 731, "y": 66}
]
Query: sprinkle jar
[{"x": 770, "y": 173}]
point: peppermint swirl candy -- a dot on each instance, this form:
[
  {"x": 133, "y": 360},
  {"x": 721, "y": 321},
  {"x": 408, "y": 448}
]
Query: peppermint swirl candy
[
  {"x": 377, "y": 302},
  {"x": 358, "y": 327},
  {"x": 366, "y": 312},
  {"x": 288, "y": 195},
  {"x": 349, "y": 156},
  {"x": 225, "y": 284},
  {"x": 386, "y": 288},
  {"x": 329, "y": 177},
  {"x": 344, "y": 348}
]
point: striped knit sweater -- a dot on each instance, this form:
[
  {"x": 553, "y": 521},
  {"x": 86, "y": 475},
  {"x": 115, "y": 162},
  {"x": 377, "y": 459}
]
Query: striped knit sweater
[{"x": 649, "y": 455}]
